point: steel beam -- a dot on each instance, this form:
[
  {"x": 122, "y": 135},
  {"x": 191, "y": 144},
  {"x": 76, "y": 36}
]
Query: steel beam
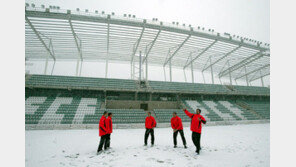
[
  {"x": 222, "y": 57},
  {"x": 46, "y": 63},
  {"x": 107, "y": 55},
  {"x": 78, "y": 45},
  {"x": 262, "y": 83},
  {"x": 40, "y": 39},
  {"x": 192, "y": 74},
  {"x": 267, "y": 65},
  {"x": 207, "y": 48},
  {"x": 230, "y": 78},
  {"x": 175, "y": 52},
  {"x": 137, "y": 44},
  {"x": 240, "y": 64},
  {"x": 213, "y": 82},
  {"x": 136, "y": 23},
  {"x": 259, "y": 77},
  {"x": 170, "y": 65},
  {"x": 151, "y": 45},
  {"x": 185, "y": 75},
  {"x": 247, "y": 80}
]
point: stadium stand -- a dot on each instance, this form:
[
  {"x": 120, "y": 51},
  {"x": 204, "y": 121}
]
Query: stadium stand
[
  {"x": 51, "y": 81},
  {"x": 54, "y": 100},
  {"x": 79, "y": 82}
]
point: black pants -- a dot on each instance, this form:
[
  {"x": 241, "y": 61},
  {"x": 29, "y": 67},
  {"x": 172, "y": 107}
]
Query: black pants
[
  {"x": 108, "y": 140},
  {"x": 149, "y": 131},
  {"x": 196, "y": 140},
  {"x": 103, "y": 142},
  {"x": 182, "y": 136}
]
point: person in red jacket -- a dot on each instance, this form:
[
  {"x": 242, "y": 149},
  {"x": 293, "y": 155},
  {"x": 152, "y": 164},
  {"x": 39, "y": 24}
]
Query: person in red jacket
[
  {"x": 150, "y": 123},
  {"x": 102, "y": 132},
  {"x": 176, "y": 123},
  {"x": 109, "y": 126},
  {"x": 196, "y": 126}
]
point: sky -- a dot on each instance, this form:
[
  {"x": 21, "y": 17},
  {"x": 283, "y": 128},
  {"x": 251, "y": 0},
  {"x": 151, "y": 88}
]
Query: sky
[{"x": 247, "y": 18}]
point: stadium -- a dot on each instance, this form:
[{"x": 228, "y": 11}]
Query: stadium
[{"x": 59, "y": 102}]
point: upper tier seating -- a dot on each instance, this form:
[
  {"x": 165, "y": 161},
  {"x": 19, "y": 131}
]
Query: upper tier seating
[
  {"x": 83, "y": 82},
  {"x": 50, "y": 81}
]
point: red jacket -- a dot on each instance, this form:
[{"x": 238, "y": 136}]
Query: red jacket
[
  {"x": 176, "y": 123},
  {"x": 150, "y": 122},
  {"x": 109, "y": 125},
  {"x": 102, "y": 126},
  {"x": 196, "y": 125}
]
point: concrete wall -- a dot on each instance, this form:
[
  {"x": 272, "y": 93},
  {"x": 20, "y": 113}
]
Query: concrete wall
[
  {"x": 127, "y": 104},
  {"x": 136, "y": 126}
]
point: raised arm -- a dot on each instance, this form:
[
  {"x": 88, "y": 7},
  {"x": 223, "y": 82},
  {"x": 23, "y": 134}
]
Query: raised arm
[
  {"x": 203, "y": 120},
  {"x": 188, "y": 113}
]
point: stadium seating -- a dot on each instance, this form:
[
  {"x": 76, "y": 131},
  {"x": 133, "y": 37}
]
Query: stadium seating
[
  {"x": 165, "y": 115},
  {"x": 187, "y": 87},
  {"x": 51, "y": 81},
  {"x": 251, "y": 90},
  {"x": 64, "y": 107},
  {"x": 81, "y": 82},
  {"x": 260, "y": 107},
  {"x": 220, "y": 110}
]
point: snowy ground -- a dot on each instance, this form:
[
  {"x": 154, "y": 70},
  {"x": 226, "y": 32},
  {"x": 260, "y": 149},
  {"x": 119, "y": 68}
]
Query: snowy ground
[{"x": 236, "y": 145}]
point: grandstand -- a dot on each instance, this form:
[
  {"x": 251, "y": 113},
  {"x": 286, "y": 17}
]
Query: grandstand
[{"x": 58, "y": 34}]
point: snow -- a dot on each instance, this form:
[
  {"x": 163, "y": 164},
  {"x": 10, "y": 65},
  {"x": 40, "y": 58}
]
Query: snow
[{"x": 235, "y": 145}]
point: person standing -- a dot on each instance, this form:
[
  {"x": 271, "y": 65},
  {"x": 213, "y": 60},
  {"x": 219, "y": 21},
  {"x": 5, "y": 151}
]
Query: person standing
[
  {"x": 102, "y": 132},
  {"x": 196, "y": 126},
  {"x": 109, "y": 125},
  {"x": 150, "y": 123},
  {"x": 176, "y": 123}
]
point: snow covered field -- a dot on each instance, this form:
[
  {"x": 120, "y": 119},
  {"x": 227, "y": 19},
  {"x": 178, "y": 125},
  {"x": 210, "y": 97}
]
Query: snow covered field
[{"x": 231, "y": 146}]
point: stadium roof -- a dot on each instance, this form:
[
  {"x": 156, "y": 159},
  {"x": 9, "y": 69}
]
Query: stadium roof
[{"x": 76, "y": 35}]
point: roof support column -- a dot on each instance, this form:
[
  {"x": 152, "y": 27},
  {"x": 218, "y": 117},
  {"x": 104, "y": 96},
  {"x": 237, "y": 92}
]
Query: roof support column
[
  {"x": 170, "y": 71},
  {"x": 230, "y": 79},
  {"x": 192, "y": 74},
  {"x": 203, "y": 76},
  {"x": 247, "y": 80},
  {"x": 164, "y": 73},
  {"x": 146, "y": 68},
  {"x": 140, "y": 67},
  {"x": 46, "y": 63},
  {"x": 107, "y": 55},
  {"x": 261, "y": 79},
  {"x": 81, "y": 62},
  {"x": 77, "y": 67},
  {"x": 185, "y": 75},
  {"x": 213, "y": 82},
  {"x": 54, "y": 61}
]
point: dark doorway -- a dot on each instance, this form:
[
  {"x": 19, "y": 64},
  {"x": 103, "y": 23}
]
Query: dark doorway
[{"x": 144, "y": 106}]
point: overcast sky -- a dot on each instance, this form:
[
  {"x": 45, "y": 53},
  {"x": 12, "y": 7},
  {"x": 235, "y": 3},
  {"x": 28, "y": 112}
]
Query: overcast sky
[{"x": 247, "y": 18}]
